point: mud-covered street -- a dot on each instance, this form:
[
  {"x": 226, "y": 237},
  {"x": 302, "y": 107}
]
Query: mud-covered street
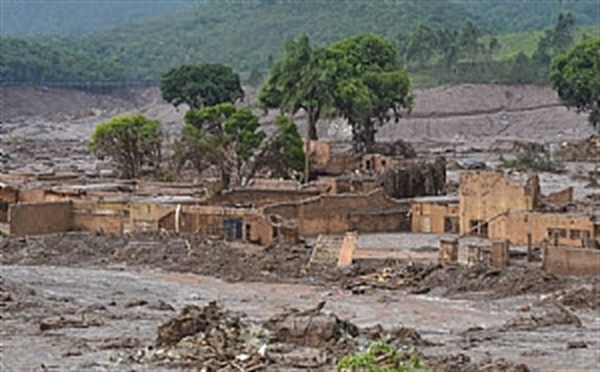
[{"x": 105, "y": 313}]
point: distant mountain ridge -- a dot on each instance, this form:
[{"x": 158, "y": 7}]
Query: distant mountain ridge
[
  {"x": 75, "y": 17},
  {"x": 142, "y": 39}
]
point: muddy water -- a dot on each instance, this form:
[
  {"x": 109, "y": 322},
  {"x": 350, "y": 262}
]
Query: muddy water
[{"x": 110, "y": 297}]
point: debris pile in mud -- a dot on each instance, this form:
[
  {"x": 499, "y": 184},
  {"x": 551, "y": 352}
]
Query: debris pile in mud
[
  {"x": 585, "y": 298},
  {"x": 586, "y": 150},
  {"x": 462, "y": 363},
  {"x": 209, "y": 337},
  {"x": 176, "y": 252},
  {"x": 419, "y": 277},
  {"x": 216, "y": 339},
  {"x": 391, "y": 277},
  {"x": 544, "y": 316}
]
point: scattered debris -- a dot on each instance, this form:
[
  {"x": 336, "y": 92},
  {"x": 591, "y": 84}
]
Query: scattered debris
[
  {"x": 576, "y": 345},
  {"x": 68, "y": 322},
  {"x": 546, "y": 316}
]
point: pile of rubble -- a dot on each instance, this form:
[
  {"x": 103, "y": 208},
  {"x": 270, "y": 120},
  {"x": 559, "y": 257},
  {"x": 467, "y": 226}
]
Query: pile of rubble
[
  {"x": 586, "y": 150},
  {"x": 216, "y": 339},
  {"x": 418, "y": 277},
  {"x": 584, "y": 297}
]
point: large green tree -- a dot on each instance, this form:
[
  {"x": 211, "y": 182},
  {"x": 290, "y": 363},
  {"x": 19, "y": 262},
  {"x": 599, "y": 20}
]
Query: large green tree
[
  {"x": 284, "y": 155},
  {"x": 370, "y": 87},
  {"x": 224, "y": 137},
  {"x": 132, "y": 141},
  {"x": 575, "y": 75},
  {"x": 201, "y": 85},
  {"x": 299, "y": 81}
]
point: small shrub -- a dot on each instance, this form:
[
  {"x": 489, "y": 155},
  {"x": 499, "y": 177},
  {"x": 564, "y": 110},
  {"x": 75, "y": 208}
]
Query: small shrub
[{"x": 381, "y": 357}]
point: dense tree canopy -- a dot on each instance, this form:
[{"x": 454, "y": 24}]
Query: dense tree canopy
[
  {"x": 575, "y": 75},
  {"x": 201, "y": 85},
  {"x": 298, "y": 81},
  {"x": 224, "y": 137},
  {"x": 284, "y": 155},
  {"x": 370, "y": 87},
  {"x": 358, "y": 78},
  {"x": 132, "y": 141}
]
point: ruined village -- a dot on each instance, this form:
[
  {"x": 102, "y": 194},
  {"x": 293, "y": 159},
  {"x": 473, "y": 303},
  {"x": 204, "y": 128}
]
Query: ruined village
[
  {"x": 429, "y": 244},
  {"x": 270, "y": 185}
]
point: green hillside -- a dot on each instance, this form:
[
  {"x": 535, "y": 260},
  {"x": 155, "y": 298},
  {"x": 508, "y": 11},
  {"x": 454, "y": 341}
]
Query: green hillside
[
  {"x": 60, "y": 17},
  {"x": 248, "y": 35},
  {"x": 245, "y": 34},
  {"x": 526, "y": 42}
]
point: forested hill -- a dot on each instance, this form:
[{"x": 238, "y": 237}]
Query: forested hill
[
  {"x": 245, "y": 34},
  {"x": 74, "y": 17}
]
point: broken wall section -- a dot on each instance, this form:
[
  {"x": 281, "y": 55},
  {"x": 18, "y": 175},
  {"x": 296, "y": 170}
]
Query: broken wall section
[
  {"x": 336, "y": 214},
  {"x": 571, "y": 261},
  {"x": 40, "y": 218},
  {"x": 412, "y": 178}
]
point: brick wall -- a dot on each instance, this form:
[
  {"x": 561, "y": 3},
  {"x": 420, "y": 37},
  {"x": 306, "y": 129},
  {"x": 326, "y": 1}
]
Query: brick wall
[
  {"x": 40, "y": 218},
  {"x": 334, "y": 214},
  {"x": 486, "y": 194},
  {"x": 430, "y": 216},
  {"x": 571, "y": 261},
  {"x": 571, "y": 228},
  {"x": 259, "y": 197},
  {"x": 106, "y": 217}
]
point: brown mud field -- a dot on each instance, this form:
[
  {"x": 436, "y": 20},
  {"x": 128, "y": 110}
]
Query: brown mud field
[{"x": 95, "y": 302}]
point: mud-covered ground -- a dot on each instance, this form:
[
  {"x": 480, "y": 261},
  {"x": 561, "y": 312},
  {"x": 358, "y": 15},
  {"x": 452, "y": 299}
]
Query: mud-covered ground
[
  {"x": 87, "y": 301},
  {"x": 463, "y": 118},
  {"x": 79, "y": 301}
]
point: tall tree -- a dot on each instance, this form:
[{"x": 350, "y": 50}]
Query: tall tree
[
  {"x": 132, "y": 141},
  {"x": 223, "y": 137},
  {"x": 201, "y": 85},
  {"x": 575, "y": 75},
  {"x": 284, "y": 154},
  {"x": 371, "y": 88},
  {"x": 298, "y": 81}
]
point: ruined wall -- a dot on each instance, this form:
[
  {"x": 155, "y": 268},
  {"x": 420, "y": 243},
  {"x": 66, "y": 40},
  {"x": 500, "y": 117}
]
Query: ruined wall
[
  {"x": 106, "y": 217},
  {"x": 8, "y": 196},
  {"x": 385, "y": 220},
  {"x": 40, "y": 218},
  {"x": 412, "y": 178},
  {"x": 145, "y": 216},
  {"x": 486, "y": 194},
  {"x": 433, "y": 217},
  {"x": 563, "y": 196},
  {"x": 32, "y": 195},
  {"x": 334, "y": 214},
  {"x": 211, "y": 221},
  {"x": 258, "y": 198},
  {"x": 319, "y": 152},
  {"x": 570, "y": 228},
  {"x": 571, "y": 261}
]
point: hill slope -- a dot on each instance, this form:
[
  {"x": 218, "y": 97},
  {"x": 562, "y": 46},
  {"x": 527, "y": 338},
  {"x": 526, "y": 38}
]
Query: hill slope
[
  {"x": 60, "y": 17},
  {"x": 245, "y": 34}
]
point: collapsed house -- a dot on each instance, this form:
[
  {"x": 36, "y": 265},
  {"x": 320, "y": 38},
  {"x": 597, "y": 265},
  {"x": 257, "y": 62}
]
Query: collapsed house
[
  {"x": 495, "y": 205},
  {"x": 349, "y": 194}
]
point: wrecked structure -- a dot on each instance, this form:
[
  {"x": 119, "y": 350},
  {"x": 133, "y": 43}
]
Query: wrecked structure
[
  {"x": 349, "y": 194},
  {"x": 495, "y": 205}
]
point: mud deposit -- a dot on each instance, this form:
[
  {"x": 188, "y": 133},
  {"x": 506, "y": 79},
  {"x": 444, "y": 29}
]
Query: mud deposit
[{"x": 132, "y": 303}]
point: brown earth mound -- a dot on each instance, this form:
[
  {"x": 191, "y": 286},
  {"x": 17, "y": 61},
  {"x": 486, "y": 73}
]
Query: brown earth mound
[{"x": 421, "y": 278}]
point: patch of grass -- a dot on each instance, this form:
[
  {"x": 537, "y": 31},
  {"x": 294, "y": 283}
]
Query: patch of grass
[
  {"x": 381, "y": 357},
  {"x": 526, "y": 42}
]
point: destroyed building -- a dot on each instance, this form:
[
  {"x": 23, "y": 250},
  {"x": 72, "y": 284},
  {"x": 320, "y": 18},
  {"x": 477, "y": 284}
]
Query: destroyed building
[{"x": 495, "y": 205}]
